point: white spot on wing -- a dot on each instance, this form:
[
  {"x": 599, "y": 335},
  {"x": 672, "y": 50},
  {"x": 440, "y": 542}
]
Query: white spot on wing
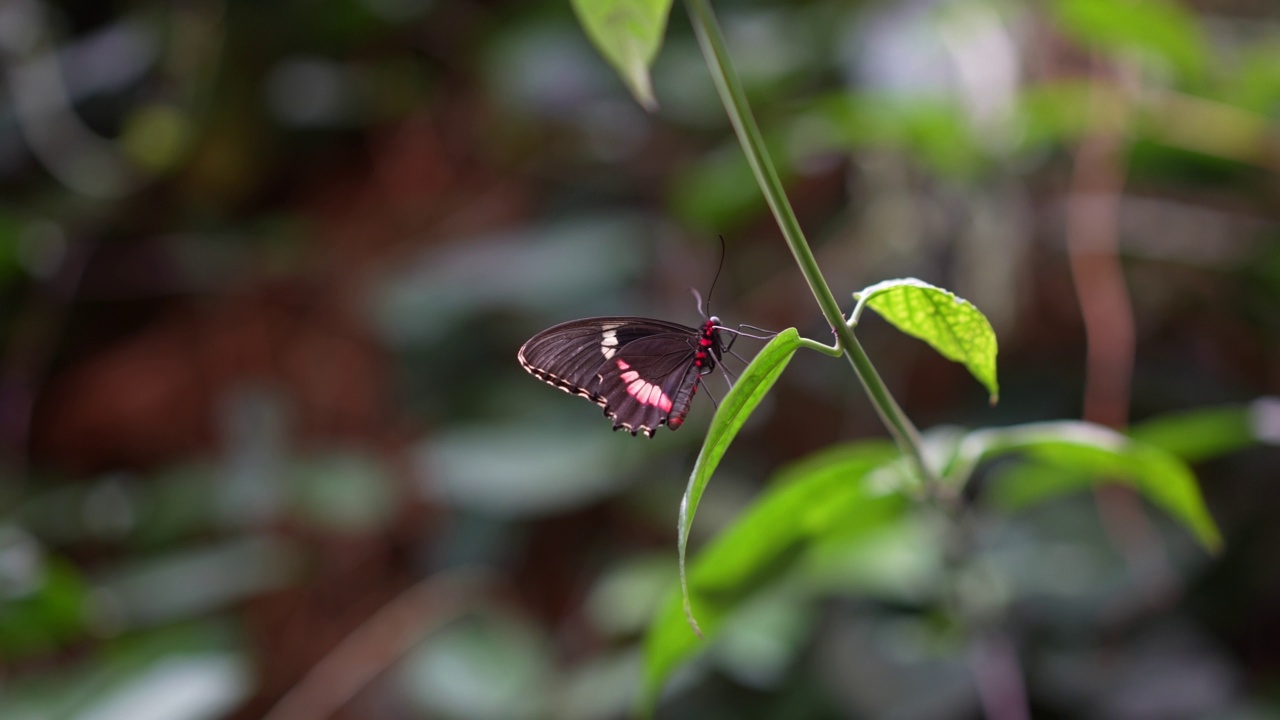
[{"x": 609, "y": 340}]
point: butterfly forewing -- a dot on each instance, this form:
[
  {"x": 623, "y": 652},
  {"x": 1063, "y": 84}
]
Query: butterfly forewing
[{"x": 641, "y": 371}]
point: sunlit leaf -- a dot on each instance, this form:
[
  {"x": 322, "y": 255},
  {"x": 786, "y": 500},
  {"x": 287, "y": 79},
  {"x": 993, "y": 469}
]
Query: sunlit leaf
[
  {"x": 1079, "y": 455},
  {"x": 1155, "y": 27},
  {"x": 628, "y": 33},
  {"x": 751, "y": 387},
  {"x": 834, "y": 492},
  {"x": 950, "y": 324},
  {"x": 936, "y": 133}
]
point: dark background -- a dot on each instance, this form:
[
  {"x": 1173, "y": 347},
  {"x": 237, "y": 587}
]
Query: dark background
[{"x": 264, "y": 268}]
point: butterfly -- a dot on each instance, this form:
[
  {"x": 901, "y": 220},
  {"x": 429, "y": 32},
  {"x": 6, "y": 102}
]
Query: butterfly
[{"x": 643, "y": 372}]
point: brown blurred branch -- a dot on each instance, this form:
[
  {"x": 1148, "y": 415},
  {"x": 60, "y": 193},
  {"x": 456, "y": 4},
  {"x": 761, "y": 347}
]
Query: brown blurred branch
[
  {"x": 1093, "y": 246},
  {"x": 1093, "y": 219},
  {"x": 30, "y": 349},
  {"x": 378, "y": 643},
  {"x": 998, "y": 677}
]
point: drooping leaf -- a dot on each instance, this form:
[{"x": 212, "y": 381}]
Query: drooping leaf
[
  {"x": 1077, "y": 455},
  {"x": 628, "y": 33},
  {"x": 1201, "y": 433},
  {"x": 949, "y": 324},
  {"x": 833, "y": 492},
  {"x": 1158, "y": 28},
  {"x": 751, "y": 387}
]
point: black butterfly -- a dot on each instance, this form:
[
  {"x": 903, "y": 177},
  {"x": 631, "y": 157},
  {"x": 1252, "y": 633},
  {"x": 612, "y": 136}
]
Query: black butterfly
[{"x": 642, "y": 372}]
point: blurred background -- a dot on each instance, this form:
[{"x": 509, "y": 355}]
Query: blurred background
[{"x": 265, "y": 450}]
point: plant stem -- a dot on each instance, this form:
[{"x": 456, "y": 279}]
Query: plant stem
[
  {"x": 735, "y": 104},
  {"x": 994, "y": 663}
]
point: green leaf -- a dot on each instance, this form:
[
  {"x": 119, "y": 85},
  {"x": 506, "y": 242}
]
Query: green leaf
[
  {"x": 49, "y": 615},
  {"x": 1157, "y": 28},
  {"x": 934, "y": 133},
  {"x": 1255, "y": 85},
  {"x": 756, "y": 379},
  {"x": 1055, "y": 112},
  {"x": 1031, "y": 482},
  {"x": 139, "y": 670},
  {"x": 628, "y": 33},
  {"x": 950, "y": 324},
  {"x": 900, "y": 562},
  {"x": 718, "y": 192},
  {"x": 1202, "y": 433},
  {"x": 839, "y": 491},
  {"x": 1077, "y": 455}
]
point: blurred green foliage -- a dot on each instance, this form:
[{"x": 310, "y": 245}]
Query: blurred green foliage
[{"x": 264, "y": 268}]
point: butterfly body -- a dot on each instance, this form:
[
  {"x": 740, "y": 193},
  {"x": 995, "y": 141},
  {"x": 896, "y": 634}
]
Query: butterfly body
[{"x": 643, "y": 372}]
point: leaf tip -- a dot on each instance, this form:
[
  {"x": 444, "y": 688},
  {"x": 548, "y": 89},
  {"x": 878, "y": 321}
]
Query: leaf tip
[
  {"x": 641, "y": 86},
  {"x": 688, "y": 615},
  {"x": 1211, "y": 539}
]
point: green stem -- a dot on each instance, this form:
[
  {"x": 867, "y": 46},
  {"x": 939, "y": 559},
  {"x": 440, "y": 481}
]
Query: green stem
[
  {"x": 744, "y": 124},
  {"x": 832, "y": 350}
]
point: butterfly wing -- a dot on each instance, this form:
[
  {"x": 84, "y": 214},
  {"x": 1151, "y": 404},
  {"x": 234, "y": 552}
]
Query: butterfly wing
[{"x": 639, "y": 370}]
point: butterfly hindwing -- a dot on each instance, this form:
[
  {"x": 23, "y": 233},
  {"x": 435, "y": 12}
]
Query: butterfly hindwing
[
  {"x": 640, "y": 371},
  {"x": 649, "y": 382}
]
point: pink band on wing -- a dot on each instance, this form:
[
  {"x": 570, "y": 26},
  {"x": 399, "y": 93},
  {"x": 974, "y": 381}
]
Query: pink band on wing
[{"x": 646, "y": 393}]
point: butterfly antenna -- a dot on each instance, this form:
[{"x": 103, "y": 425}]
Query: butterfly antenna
[
  {"x": 723, "y": 251},
  {"x": 698, "y": 296}
]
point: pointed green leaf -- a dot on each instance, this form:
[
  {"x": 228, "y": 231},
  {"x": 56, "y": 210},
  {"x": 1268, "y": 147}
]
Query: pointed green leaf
[
  {"x": 835, "y": 491},
  {"x": 950, "y": 324},
  {"x": 628, "y": 33},
  {"x": 1161, "y": 29},
  {"x": 756, "y": 379},
  {"x": 1077, "y": 455},
  {"x": 1205, "y": 433}
]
